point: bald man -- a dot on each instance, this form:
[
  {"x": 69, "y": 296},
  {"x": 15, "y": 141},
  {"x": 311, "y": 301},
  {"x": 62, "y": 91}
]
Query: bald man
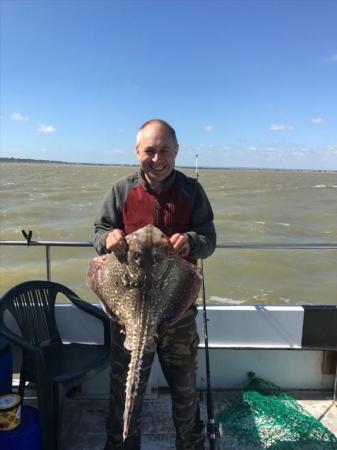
[{"x": 160, "y": 195}]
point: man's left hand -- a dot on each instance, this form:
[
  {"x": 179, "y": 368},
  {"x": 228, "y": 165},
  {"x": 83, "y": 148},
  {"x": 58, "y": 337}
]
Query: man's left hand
[{"x": 180, "y": 244}]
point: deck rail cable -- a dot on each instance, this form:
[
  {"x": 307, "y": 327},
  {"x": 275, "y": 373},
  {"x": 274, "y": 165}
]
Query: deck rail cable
[{"x": 233, "y": 245}]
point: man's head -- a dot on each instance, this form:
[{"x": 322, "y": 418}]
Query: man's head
[{"x": 156, "y": 150}]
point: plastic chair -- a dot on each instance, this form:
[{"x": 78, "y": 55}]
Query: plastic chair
[{"x": 55, "y": 367}]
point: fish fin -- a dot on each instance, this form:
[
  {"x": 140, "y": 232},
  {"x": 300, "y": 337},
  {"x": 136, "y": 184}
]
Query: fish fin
[{"x": 183, "y": 293}]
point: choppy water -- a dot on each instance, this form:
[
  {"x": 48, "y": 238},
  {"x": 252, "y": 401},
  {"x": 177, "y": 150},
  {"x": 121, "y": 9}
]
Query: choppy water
[{"x": 60, "y": 202}]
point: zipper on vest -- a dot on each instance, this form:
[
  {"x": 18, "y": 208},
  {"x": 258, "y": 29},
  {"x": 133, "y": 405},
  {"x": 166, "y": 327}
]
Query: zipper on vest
[
  {"x": 156, "y": 206},
  {"x": 170, "y": 218}
]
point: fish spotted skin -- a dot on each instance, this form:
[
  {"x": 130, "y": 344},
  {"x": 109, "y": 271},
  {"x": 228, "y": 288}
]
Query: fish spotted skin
[{"x": 146, "y": 290}]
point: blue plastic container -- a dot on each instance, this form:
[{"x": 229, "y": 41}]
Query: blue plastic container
[
  {"x": 6, "y": 364},
  {"x": 26, "y": 436}
]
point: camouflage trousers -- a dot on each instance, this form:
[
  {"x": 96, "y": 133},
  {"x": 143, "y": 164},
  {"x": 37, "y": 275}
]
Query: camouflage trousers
[{"x": 177, "y": 353}]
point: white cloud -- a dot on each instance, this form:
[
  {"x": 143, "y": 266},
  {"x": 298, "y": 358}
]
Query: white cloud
[
  {"x": 209, "y": 128},
  {"x": 317, "y": 120},
  {"x": 330, "y": 59},
  {"x": 113, "y": 152},
  {"x": 46, "y": 129},
  {"x": 277, "y": 154},
  {"x": 298, "y": 155},
  {"x": 281, "y": 127},
  {"x": 332, "y": 149},
  {"x": 18, "y": 117}
]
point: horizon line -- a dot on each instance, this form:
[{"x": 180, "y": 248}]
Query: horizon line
[{"x": 50, "y": 161}]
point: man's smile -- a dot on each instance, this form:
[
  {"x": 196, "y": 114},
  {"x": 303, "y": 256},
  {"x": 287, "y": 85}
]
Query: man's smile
[{"x": 158, "y": 168}]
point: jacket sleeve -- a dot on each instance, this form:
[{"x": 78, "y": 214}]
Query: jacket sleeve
[
  {"x": 109, "y": 217},
  {"x": 202, "y": 236}
]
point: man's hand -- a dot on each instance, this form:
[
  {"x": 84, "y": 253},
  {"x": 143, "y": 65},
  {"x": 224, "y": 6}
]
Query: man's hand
[
  {"x": 180, "y": 244},
  {"x": 115, "y": 242}
]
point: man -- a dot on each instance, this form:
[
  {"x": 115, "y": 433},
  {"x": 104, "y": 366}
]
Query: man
[{"x": 166, "y": 198}]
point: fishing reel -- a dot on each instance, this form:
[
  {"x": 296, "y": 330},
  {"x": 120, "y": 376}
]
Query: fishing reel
[{"x": 214, "y": 430}]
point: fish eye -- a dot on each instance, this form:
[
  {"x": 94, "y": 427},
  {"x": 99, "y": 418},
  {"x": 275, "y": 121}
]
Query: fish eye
[{"x": 137, "y": 256}]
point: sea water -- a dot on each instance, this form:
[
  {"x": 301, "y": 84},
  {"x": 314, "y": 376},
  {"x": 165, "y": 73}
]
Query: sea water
[{"x": 59, "y": 202}]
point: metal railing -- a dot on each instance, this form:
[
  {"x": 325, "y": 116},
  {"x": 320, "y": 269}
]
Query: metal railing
[
  {"x": 238, "y": 245},
  {"x": 47, "y": 245}
]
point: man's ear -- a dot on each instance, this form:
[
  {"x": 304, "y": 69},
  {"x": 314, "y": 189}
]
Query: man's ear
[{"x": 177, "y": 148}]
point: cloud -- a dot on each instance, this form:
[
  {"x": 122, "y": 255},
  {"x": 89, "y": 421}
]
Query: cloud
[
  {"x": 273, "y": 153},
  {"x": 209, "y": 128},
  {"x": 332, "y": 150},
  {"x": 18, "y": 117},
  {"x": 317, "y": 120},
  {"x": 280, "y": 127},
  {"x": 330, "y": 59},
  {"x": 46, "y": 129},
  {"x": 113, "y": 152}
]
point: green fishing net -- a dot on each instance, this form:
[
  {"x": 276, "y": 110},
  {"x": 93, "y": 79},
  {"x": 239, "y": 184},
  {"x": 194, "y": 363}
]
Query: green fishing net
[{"x": 267, "y": 418}]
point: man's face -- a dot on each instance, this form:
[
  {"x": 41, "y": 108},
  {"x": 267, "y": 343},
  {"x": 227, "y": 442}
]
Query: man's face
[{"x": 156, "y": 152}]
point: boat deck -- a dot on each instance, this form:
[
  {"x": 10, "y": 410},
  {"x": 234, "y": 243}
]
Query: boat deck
[{"x": 84, "y": 419}]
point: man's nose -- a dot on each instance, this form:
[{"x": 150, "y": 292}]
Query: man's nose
[{"x": 156, "y": 157}]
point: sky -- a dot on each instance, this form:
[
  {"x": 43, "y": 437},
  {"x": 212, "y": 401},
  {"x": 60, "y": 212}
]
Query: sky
[{"x": 244, "y": 83}]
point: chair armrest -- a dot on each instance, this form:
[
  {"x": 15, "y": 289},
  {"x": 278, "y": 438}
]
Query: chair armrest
[
  {"x": 18, "y": 340},
  {"x": 88, "y": 307},
  {"x": 94, "y": 311}
]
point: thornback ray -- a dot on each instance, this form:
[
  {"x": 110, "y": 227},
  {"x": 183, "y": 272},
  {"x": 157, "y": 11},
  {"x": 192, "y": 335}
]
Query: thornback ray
[{"x": 146, "y": 291}]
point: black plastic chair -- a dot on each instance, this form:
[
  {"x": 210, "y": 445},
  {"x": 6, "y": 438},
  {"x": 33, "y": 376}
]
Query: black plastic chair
[{"x": 55, "y": 367}]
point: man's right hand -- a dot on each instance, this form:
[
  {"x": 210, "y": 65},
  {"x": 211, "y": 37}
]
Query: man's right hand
[{"x": 115, "y": 242}]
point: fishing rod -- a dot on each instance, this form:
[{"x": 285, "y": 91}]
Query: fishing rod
[{"x": 213, "y": 429}]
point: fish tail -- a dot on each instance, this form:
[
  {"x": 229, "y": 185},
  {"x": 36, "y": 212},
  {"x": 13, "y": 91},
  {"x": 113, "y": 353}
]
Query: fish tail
[{"x": 132, "y": 382}]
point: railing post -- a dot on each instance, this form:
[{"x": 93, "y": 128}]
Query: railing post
[{"x": 48, "y": 262}]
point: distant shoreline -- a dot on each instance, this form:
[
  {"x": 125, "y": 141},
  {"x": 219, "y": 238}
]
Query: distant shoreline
[
  {"x": 252, "y": 169},
  {"x": 48, "y": 161}
]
